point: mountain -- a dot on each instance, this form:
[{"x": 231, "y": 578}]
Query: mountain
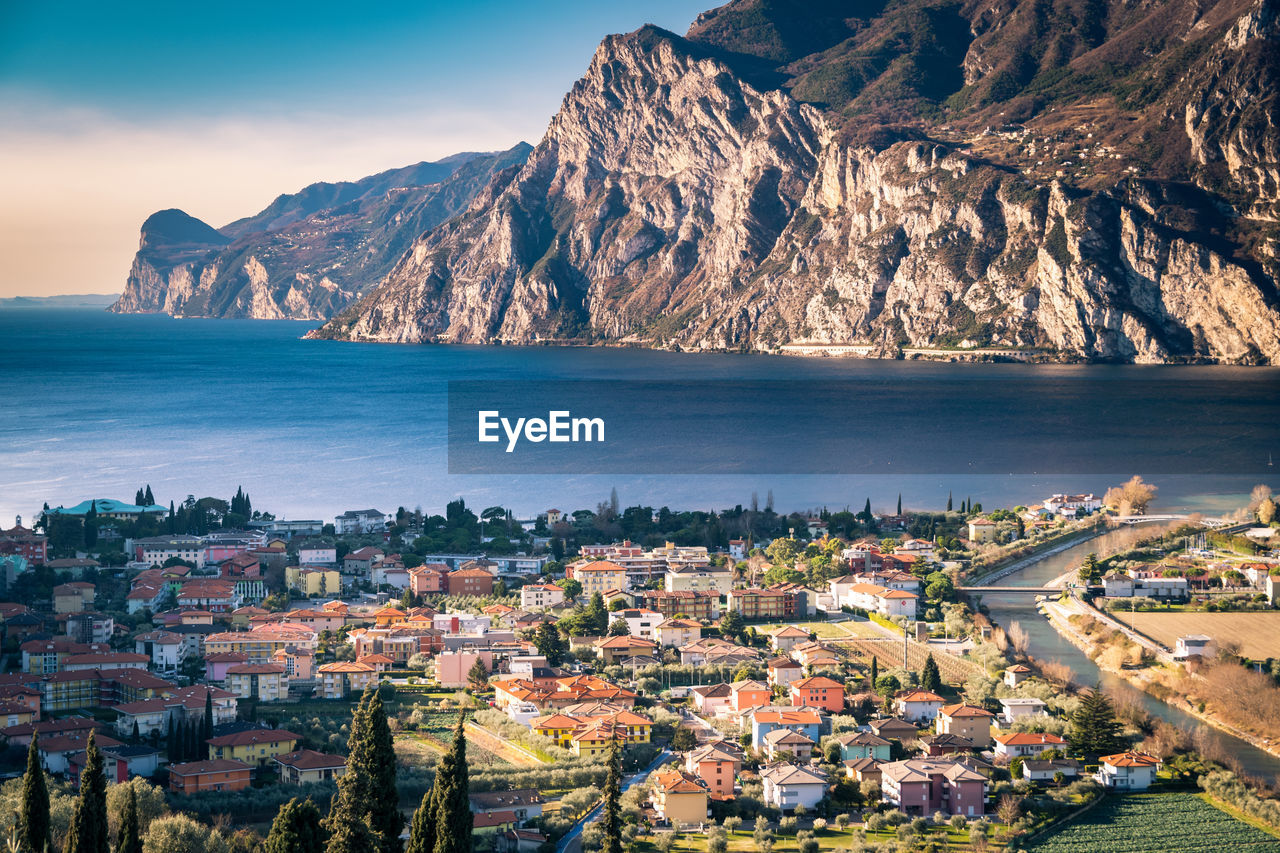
[
  {"x": 61, "y": 300},
  {"x": 1095, "y": 179},
  {"x": 308, "y": 254}
]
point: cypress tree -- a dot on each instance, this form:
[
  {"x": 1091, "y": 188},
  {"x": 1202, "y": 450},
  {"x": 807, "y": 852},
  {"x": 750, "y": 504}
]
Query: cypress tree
[
  {"x": 422, "y": 833},
  {"x": 33, "y": 812},
  {"x": 453, "y": 810},
  {"x": 171, "y": 745},
  {"x": 149, "y": 499},
  {"x": 129, "y": 839},
  {"x": 1094, "y": 727},
  {"x": 207, "y": 728},
  {"x": 948, "y": 502},
  {"x": 384, "y": 808},
  {"x": 88, "y": 830},
  {"x": 138, "y": 497},
  {"x": 350, "y": 832},
  {"x": 875, "y": 671},
  {"x": 611, "y": 817},
  {"x": 899, "y": 513},
  {"x": 930, "y": 678},
  {"x": 296, "y": 829}
]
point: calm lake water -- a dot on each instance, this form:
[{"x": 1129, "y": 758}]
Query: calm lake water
[{"x": 96, "y": 404}]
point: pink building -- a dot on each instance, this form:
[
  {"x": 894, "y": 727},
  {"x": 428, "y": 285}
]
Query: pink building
[
  {"x": 216, "y": 665},
  {"x": 453, "y": 668},
  {"x": 923, "y": 786}
]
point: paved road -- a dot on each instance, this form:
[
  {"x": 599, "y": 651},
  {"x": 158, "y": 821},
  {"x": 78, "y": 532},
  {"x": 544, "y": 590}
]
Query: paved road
[{"x": 572, "y": 841}]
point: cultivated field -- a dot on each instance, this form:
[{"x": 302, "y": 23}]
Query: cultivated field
[
  {"x": 1161, "y": 823},
  {"x": 1257, "y": 634},
  {"x": 889, "y": 652}
]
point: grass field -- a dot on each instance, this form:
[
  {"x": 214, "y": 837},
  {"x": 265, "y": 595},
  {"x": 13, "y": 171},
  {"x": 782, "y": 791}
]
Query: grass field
[
  {"x": 1160, "y": 823},
  {"x": 1258, "y": 634}
]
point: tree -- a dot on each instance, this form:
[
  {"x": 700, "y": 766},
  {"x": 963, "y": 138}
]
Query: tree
[
  {"x": 1094, "y": 727},
  {"x": 611, "y": 816},
  {"x": 571, "y": 586},
  {"x": 948, "y": 502},
  {"x": 549, "y": 643},
  {"x": 206, "y": 729},
  {"x": 129, "y": 840},
  {"x": 296, "y": 829},
  {"x": 178, "y": 833},
  {"x": 887, "y": 685},
  {"x": 148, "y": 499},
  {"x": 875, "y": 671},
  {"x": 930, "y": 678},
  {"x": 683, "y": 739},
  {"x": 88, "y": 830},
  {"x": 453, "y": 812},
  {"x": 732, "y": 624},
  {"x": 618, "y": 628},
  {"x": 899, "y": 512},
  {"x": 478, "y": 676},
  {"x": 1090, "y": 572},
  {"x": 1267, "y": 511},
  {"x": 33, "y": 812},
  {"x": 367, "y": 791},
  {"x": 422, "y": 832},
  {"x": 1131, "y": 497},
  {"x": 595, "y": 618}
]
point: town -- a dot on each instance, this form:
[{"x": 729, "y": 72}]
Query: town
[{"x": 618, "y": 679}]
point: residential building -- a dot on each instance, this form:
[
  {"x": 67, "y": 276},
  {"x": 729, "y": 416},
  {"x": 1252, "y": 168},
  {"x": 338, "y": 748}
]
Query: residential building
[
  {"x": 265, "y": 682},
  {"x": 88, "y": 626},
  {"x": 24, "y": 542},
  {"x": 261, "y": 643},
  {"x": 749, "y": 694},
  {"x": 967, "y": 721},
  {"x": 524, "y": 804},
  {"x": 475, "y": 582},
  {"x": 982, "y": 530},
  {"x": 717, "y": 765},
  {"x": 807, "y": 721},
  {"x": 198, "y": 777},
  {"x": 306, "y": 766},
  {"x": 786, "y": 745},
  {"x": 165, "y": 649},
  {"x": 1068, "y": 504},
  {"x": 673, "y": 633},
  {"x": 73, "y": 597},
  {"x": 313, "y": 582},
  {"x": 787, "y": 786},
  {"x": 759, "y": 603},
  {"x": 453, "y": 668},
  {"x": 1048, "y": 770},
  {"x": 254, "y": 746},
  {"x": 711, "y": 699},
  {"x": 1127, "y": 771},
  {"x": 704, "y": 606},
  {"x": 699, "y": 578},
  {"x": 1026, "y": 744},
  {"x": 918, "y": 706},
  {"x": 864, "y": 745},
  {"x": 783, "y": 671},
  {"x": 640, "y": 622},
  {"x": 341, "y": 679},
  {"x": 357, "y": 521},
  {"x": 319, "y": 558},
  {"x": 540, "y": 596},
  {"x": 818, "y": 692},
  {"x": 616, "y": 649},
  {"x": 598, "y": 576},
  {"x": 1016, "y": 708},
  {"x": 1016, "y": 674},
  {"x": 784, "y": 638},
  {"x": 680, "y": 798},
  {"x": 921, "y": 787}
]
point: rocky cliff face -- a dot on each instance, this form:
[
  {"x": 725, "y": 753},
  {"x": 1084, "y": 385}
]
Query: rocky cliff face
[
  {"x": 672, "y": 203},
  {"x": 308, "y": 254}
]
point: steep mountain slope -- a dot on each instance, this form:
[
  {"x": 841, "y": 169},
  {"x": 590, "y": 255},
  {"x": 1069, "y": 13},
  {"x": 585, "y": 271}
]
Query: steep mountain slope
[
  {"x": 1094, "y": 178},
  {"x": 307, "y": 254}
]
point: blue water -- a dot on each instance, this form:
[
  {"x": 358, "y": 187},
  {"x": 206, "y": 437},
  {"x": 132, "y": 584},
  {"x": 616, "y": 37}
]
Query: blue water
[{"x": 97, "y": 404}]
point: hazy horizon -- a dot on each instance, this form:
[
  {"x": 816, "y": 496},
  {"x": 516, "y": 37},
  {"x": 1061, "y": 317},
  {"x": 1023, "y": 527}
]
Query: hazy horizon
[{"x": 109, "y": 114}]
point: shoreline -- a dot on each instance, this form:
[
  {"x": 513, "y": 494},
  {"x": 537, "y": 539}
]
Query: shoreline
[{"x": 1057, "y": 615}]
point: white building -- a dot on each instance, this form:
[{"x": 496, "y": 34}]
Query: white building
[
  {"x": 539, "y": 596},
  {"x": 1194, "y": 644},
  {"x": 1068, "y": 504},
  {"x": 166, "y": 649},
  {"x": 360, "y": 521},
  {"x": 698, "y": 578},
  {"x": 787, "y": 786},
  {"x": 1127, "y": 771},
  {"x": 1016, "y": 709},
  {"x": 640, "y": 622},
  {"x": 320, "y": 557}
]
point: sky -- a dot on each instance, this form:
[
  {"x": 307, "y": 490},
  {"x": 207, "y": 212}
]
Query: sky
[{"x": 111, "y": 111}]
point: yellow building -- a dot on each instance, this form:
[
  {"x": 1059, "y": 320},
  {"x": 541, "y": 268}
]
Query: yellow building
[
  {"x": 313, "y": 582},
  {"x": 966, "y": 721},
  {"x": 339, "y": 680},
  {"x": 262, "y": 642},
  {"x": 982, "y": 530},
  {"x": 678, "y": 632},
  {"x": 266, "y": 682},
  {"x": 255, "y": 746},
  {"x": 599, "y": 576},
  {"x": 558, "y": 727},
  {"x": 680, "y": 797}
]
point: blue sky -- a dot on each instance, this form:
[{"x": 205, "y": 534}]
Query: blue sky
[{"x": 110, "y": 111}]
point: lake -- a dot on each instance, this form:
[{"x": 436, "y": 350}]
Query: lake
[{"x": 98, "y": 404}]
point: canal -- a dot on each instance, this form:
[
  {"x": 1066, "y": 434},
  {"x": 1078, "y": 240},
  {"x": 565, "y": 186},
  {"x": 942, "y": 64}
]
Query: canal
[{"x": 1047, "y": 645}]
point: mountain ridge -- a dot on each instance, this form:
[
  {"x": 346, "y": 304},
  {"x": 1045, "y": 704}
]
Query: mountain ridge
[{"x": 672, "y": 203}]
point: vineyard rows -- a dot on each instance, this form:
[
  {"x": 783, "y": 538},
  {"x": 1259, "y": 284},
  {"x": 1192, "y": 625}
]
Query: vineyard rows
[{"x": 889, "y": 653}]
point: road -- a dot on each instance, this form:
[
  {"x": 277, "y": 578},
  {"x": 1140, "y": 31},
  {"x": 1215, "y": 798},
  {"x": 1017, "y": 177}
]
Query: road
[{"x": 572, "y": 841}]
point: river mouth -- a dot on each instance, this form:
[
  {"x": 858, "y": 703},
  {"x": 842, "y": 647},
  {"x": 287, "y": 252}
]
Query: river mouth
[{"x": 1046, "y": 644}]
